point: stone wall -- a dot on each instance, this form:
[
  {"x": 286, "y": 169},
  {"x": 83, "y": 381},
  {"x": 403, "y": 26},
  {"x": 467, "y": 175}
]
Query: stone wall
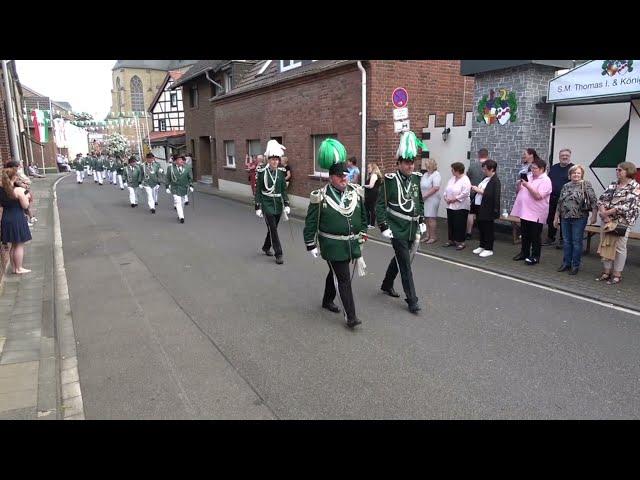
[{"x": 530, "y": 130}]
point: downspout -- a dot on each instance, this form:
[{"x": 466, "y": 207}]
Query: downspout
[
  {"x": 10, "y": 113},
  {"x": 363, "y": 148},
  {"x": 212, "y": 80}
]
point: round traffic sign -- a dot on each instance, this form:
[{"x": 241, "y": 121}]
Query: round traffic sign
[{"x": 400, "y": 97}]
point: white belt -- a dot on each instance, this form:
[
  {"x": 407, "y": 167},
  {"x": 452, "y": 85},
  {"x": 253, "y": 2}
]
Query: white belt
[
  {"x": 339, "y": 237},
  {"x": 271, "y": 194},
  {"x": 404, "y": 217}
]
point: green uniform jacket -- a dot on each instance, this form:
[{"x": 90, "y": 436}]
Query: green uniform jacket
[
  {"x": 152, "y": 174},
  {"x": 98, "y": 165},
  {"x": 266, "y": 203},
  {"x": 177, "y": 182},
  {"x": 112, "y": 165},
  {"x": 132, "y": 176},
  {"x": 92, "y": 162},
  {"x": 86, "y": 161},
  {"x": 119, "y": 166},
  {"x": 322, "y": 217},
  {"x": 78, "y": 165},
  {"x": 388, "y": 198}
]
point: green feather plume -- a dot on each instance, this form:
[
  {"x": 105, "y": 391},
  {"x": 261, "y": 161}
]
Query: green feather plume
[{"x": 331, "y": 151}]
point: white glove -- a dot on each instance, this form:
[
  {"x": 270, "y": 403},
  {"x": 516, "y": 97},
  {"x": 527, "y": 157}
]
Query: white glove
[
  {"x": 287, "y": 210},
  {"x": 259, "y": 213},
  {"x": 168, "y": 191},
  {"x": 387, "y": 233},
  {"x": 191, "y": 189},
  {"x": 125, "y": 184},
  {"x": 314, "y": 252},
  {"x": 423, "y": 228}
]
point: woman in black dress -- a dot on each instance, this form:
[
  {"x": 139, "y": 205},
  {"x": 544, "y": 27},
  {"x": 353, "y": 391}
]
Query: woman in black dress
[
  {"x": 371, "y": 187},
  {"x": 13, "y": 226}
]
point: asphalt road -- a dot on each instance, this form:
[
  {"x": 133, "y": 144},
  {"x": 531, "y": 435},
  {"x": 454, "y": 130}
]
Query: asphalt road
[{"x": 192, "y": 321}]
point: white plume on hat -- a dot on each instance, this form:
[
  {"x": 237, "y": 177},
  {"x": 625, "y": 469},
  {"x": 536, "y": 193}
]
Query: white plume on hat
[{"x": 274, "y": 149}]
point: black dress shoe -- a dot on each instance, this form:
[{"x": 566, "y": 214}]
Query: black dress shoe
[
  {"x": 268, "y": 253},
  {"x": 574, "y": 271},
  {"x": 519, "y": 256},
  {"x": 279, "y": 260},
  {"x": 390, "y": 291},
  {"x": 564, "y": 268},
  {"x": 332, "y": 307},
  {"x": 414, "y": 308},
  {"x": 153, "y": 210},
  {"x": 156, "y": 204},
  {"x": 133, "y": 205},
  {"x": 182, "y": 220},
  {"x": 186, "y": 203},
  {"x": 352, "y": 322}
]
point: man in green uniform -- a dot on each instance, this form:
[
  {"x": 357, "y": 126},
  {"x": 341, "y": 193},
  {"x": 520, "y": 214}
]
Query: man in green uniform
[
  {"x": 119, "y": 165},
  {"x": 179, "y": 181},
  {"x": 92, "y": 166},
  {"x": 400, "y": 210},
  {"x": 132, "y": 176},
  {"x": 337, "y": 220},
  {"x": 152, "y": 174},
  {"x": 99, "y": 168},
  {"x": 271, "y": 198},
  {"x": 78, "y": 166}
]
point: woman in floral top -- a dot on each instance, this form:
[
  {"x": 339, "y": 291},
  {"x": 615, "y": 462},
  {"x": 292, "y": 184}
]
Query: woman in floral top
[
  {"x": 573, "y": 218},
  {"x": 619, "y": 203}
]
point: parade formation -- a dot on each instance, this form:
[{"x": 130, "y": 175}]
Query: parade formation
[{"x": 336, "y": 222}]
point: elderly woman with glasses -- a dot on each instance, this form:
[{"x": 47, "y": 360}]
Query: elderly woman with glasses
[
  {"x": 576, "y": 200},
  {"x": 618, "y": 206},
  {"x": 532, "y": 206}
]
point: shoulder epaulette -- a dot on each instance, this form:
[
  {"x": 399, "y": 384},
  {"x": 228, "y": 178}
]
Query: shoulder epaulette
[
  {"x": 417, "y": 174},
  {"x": 390, "y": 175},
  {"x": 260, "y": 169},
  {"x": 282, "y": 169},
  {"x": 315, "y": 196},
  {"x": 358, "y": 188}
]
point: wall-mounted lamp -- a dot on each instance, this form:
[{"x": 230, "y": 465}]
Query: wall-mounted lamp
[{"x": 445, "y": 134}]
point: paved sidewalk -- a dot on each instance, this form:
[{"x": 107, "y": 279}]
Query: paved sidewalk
[
  {"x": 626, "y": 294},
  {"x": 30, "y": 386}
]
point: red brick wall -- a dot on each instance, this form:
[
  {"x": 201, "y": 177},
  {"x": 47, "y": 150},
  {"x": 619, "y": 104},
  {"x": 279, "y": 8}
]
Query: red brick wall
[
  {"x": 324, "y": 104},
  {"x": 434, "y": 87},
  {"x": 5, "y": 147}
]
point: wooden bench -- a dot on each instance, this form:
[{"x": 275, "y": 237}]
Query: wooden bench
[
  {"x": 595, "y": 230},
  {"x": 515, "y": 224}
]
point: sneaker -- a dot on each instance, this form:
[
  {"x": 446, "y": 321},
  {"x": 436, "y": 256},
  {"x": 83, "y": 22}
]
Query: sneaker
[
  {"x": 351, "y": 323},
  {"x": 478, "y": 250},
  {"x": 370, "y": 226},
  {"x": 530, "y": 261},
  {"x": 486, "y": 253}
]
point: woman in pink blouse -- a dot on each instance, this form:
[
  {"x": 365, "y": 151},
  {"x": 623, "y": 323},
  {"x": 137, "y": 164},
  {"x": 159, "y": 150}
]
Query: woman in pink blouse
[
  {"x": 532, "y": 206},
  {"x": 456, "y": 196}
]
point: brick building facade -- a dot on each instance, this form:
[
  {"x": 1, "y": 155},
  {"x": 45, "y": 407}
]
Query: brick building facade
[{"x": 314, "y": 99}]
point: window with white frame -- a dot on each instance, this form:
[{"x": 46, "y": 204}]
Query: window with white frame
[
  {"x": 163, "y": 125},
  {"x": 289, "y": 64},
  {"x": 253, "y": 147},
  {"x": 317, "y": 140},
  {"x": 228, "y": 81},
  {"x": 230, "y": 153},
  {"x": 174, "y": 99}
]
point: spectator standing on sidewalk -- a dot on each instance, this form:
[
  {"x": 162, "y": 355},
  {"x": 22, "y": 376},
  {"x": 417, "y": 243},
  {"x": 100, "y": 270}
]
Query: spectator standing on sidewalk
[
  {"x": 284, "y": 163},
  {"x": 532, "y": 206},
  {"x": 559, "y": 175},
  {"x": 456, "y": 196},
  {"x": 354, "y": 171},
  {"x": 618, "y": 206},
  {"x": 371, "y": 189},
  {"x": 486, "y": 205},
  {"x": 13, "y": 226},
  {"x": 572, "y": 216},
  {"x": 476, "y": 175},
  {"x": 430, "y": 190}
]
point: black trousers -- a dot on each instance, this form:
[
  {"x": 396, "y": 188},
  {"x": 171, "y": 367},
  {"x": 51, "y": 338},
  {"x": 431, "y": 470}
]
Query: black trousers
[
  {"x": 402, "y": 249},
  {"x": 370, "y": 199},
  {"x": 486, "y": 228},
  {"x": 551, "y": 230},
  {"x": 457, "y": 224},
  {"x": 344, "y": 287},
  {"x": 272, "y": 237},
  {"x": 531, "y": 238}
]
